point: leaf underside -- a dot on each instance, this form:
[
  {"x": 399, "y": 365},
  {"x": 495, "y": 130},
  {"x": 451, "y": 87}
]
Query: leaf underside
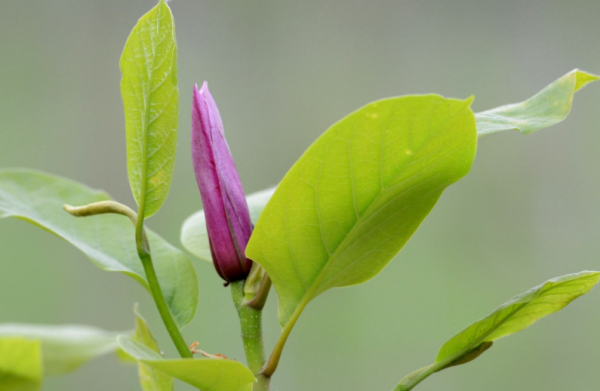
[
  {"x": 108, "y": 240},
  {"x": 359, "y": 193},
  {"x": 151, "y": 101},
  {"x": 548, "y": 107}
]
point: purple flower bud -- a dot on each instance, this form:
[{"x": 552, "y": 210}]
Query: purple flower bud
[{"x": 225, "y": 208}]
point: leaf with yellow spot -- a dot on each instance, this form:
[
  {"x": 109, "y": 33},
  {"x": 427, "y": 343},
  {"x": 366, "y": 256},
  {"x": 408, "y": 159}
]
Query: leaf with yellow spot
[{"x": 356, "y": 196}]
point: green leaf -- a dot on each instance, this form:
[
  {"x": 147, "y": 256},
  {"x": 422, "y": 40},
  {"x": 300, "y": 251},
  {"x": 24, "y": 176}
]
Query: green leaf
[
  {"x": 205, "y": 374},
  {"x": 151, "y": 101},
  {"x": 358, "y": 194},
  {"x": 108, "y": 240},
  {"x": 194, "y": 236},
  {"x": 20, "y": 364},
  {"x": 150, "y": 379},
  {"x": 64, "y": 348},
  {"x": 549, "y": 107},
  {"x": 515, "y": 315},
  {"x": 520, "y": 312}
]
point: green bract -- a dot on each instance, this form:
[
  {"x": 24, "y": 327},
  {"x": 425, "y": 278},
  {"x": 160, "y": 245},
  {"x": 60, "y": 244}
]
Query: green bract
[
  {"x": 358, "y": 194},
  {"x": 204, "y": 373},
  {"x": 194, "y": 236},
  {"x": 151, "y": 101},
  {"x": 515, "y": 315},
  {"x": 108, "y": 240},
  {"x": 549, "y": 107}
]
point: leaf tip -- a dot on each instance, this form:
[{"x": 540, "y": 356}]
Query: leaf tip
[
  {"x": 583, "y": 78},
  {"x": 470, "y": 100}
]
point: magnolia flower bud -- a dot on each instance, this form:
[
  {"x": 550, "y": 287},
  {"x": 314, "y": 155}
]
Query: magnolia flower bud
[{"x": 225, "y": 208}]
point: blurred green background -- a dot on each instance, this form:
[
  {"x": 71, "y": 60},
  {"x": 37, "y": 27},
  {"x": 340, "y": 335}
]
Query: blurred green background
[{"x": 282, "y": 72}]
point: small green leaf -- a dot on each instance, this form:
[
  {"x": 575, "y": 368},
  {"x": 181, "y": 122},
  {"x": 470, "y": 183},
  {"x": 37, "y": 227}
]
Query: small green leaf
[
  {"x": 358, "y": 194},
  {"x": 520, "y": 312},
  {"x": 151, "y": 101},
  {"x": 193, "y": 232},
  {"x": 20, "y": 364},
  {"x": 548, "y": 107},
  {"x": 515, "y": 315},
  {"x": 150, "y": 379},
  {"x": 108, "y": 240},
  {"x": 204, "y": 373},
  {"x": 64, "y": 348}
]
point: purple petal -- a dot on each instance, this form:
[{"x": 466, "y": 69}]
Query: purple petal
[
  {"x": 212, "y": 106},
  {"x": 227, "y": 216}
]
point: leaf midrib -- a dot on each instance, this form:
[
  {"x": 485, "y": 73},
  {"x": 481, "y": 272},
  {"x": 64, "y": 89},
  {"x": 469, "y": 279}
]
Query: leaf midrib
[{"x": 147, "y": 110}]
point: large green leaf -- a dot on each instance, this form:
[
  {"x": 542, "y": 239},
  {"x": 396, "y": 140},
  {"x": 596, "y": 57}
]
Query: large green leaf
[
  {"x": 20, "y": 364},
  {"x": 515, "y": 315},
  {"x": 108, "y": 240},
  {"x": 205, "y": 374},
  {"x": 548, "y": 107},
  {"x": 151, "y": 101},
  {"x": 64, "y": 348},
  {"x": 194, "y": 236},
  {"x": 359, "y": 193},
  {"x": 150, "y": 378}
]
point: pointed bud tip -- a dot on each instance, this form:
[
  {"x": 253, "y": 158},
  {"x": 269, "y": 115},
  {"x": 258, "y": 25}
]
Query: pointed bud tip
[
  {"x": 204, "y": 88},
  {"x": 196, "y": 92}
]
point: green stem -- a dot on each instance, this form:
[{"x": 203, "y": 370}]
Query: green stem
[
  {"x": 143, "y": 249},
  {"x": 463, "y": 356},
  {"x": 273, "y": 362},
  {"x": 251, "y": 324},
  {"x": 162, "y": 306}
]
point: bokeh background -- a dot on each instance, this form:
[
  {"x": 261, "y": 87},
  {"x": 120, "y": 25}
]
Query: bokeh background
[{"x": 282, "y": 72}]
